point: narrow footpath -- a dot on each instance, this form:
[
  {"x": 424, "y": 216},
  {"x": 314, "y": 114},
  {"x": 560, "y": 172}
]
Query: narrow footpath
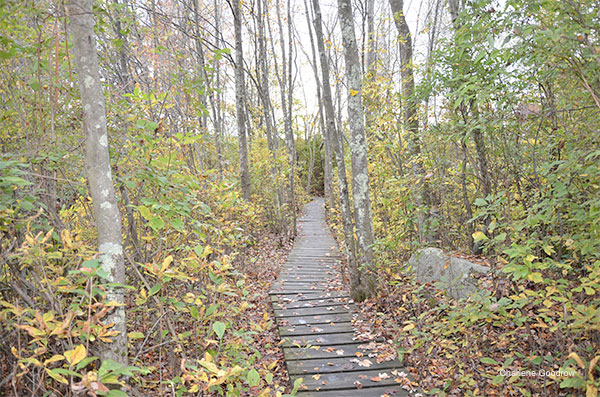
[{"x": 315, "y": 319}]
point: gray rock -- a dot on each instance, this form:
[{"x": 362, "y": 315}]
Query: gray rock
[{"x": 449, "y": 273}]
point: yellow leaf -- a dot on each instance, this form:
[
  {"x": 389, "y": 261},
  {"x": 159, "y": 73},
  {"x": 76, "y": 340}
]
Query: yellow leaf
[
  {"x": 76, "y": 355},
  {"x": 353, "y": 92},
  {"x": 530, "y": 258},
  {"x": 54, "y": 358},
  {"x": 56, "y": 376},
  {"x": 591, "y": 368},
  {"x": 591, "y": 391},
  {"x": 166, "y": 262},
  {"x": 209, "y": 366},
  {"x": 575, "y": 357},
  {"x": 477, "y": 236},
  {"x": 317, "y": 376},
  {"x": 66, "y": 238},
  {"x": 408, "y": 327},
  {"x": 536, "y": 277}
]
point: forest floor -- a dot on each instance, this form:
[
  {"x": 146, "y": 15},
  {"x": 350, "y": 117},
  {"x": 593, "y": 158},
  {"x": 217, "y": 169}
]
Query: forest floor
[{"x": 260, "y": 267}]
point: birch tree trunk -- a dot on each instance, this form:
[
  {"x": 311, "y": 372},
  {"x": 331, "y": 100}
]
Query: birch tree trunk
[
  {"x": 335, "y": 137},
  {"x": 97, "y": 164},
  {"x": 285, "y": 89},
  {"x": 240, "y": 95},
  {"x": 272, "y": 136},
  {"x": 358, "y": 151},
  {"x": 327, "y": 141}
]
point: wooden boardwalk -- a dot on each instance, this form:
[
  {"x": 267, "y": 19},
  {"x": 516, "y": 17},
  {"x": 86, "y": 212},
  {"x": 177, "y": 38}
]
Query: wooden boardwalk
[{"x": 314, "y": 314}]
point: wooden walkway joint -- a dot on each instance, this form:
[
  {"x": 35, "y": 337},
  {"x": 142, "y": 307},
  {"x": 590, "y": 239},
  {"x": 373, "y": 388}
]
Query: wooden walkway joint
[{"x": 315, "y": 319}]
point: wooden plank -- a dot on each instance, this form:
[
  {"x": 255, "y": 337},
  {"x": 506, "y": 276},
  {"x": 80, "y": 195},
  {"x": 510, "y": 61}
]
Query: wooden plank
[
  {"x": 315, "y": 329},
  {"x": 318, "y": 340},
  {"x": 300, "y": 282},
  {"x": 338, "y": 364},
  {"x": 303, "y": 353},
  {"x": 314, "y": 311},
  {"x": 378, "y": 391},
  {"x": 312, "y": 303},
  {"x": 308, "y": 277},
  {"x": 344, "y": 380},
  {"x": 292, "y": 292},
  {"x": 311, "y": 296},
  {"x": 324, "y": 319}
]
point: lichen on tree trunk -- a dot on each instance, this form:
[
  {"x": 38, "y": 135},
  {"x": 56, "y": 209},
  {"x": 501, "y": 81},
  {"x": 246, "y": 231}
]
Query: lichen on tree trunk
[{"x": 98, "y": 170}]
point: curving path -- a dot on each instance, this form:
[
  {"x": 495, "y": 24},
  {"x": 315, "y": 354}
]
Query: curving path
[{"x": 315, "y": 318}]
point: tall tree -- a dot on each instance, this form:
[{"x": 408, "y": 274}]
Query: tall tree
[
  {"x": 358, "y": 151},
  {"x": 240, "y": 98},
  {"x": 286, "y": 90},
  {"x": 409, "y": 114},
  {"x": 269, "y": 118},
  {"x": 336, "y": 138},
  {"x": 98, "y": 169},
  {"x": 327, "y": 162},
  {"x": 336, "y": 142}
]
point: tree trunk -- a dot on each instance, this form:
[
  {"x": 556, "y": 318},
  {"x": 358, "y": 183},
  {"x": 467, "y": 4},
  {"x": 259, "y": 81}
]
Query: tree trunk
[
  {"x": 327, "y": 141},
  {"x": 334, "y": 136},
  {"x": 371, "y": 39},
  {"x": 410, "y": 117},
  {"x": 358, "y": 151},
  {"x": 216, "y": 104},
  {"x": 240, "y": 95},
  {"x": 286, "y": 86},
  {"x": 272, "y": 136},
  {"x": 97, "y": 162}
]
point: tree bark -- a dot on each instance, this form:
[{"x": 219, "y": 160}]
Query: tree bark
[
  {"x": 334, "y": 136},
  {"x": 271, "y": 131},
  {"x": 358, "y": 151},
  {"x": 240, "y": 95},
  {"x": 97, "y": 164},
  {"x": 286, "y": 86},
  {"x": 327, "y": 142},
  {"x": 410, "y": 117}
]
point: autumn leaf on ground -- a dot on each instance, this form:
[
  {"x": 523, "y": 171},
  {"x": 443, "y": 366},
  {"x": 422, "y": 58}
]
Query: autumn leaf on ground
[{"x": 362, "y": 363}]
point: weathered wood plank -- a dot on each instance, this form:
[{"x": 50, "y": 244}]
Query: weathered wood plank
[
  {"x": 313, "y": 320},
  {"x": 311, "y": 303},
  {"x": 318, "y": 340},
  {"x": 378, "y": 391},
  {"x": 337, "y": 364},
  {"x": 303, "y": 353},
  {"x": 311, "y": 296},
  {"x": 315, "y": 329},
  {"x": 344, "y": 380},
  {"x": 314, "y": 311}
]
